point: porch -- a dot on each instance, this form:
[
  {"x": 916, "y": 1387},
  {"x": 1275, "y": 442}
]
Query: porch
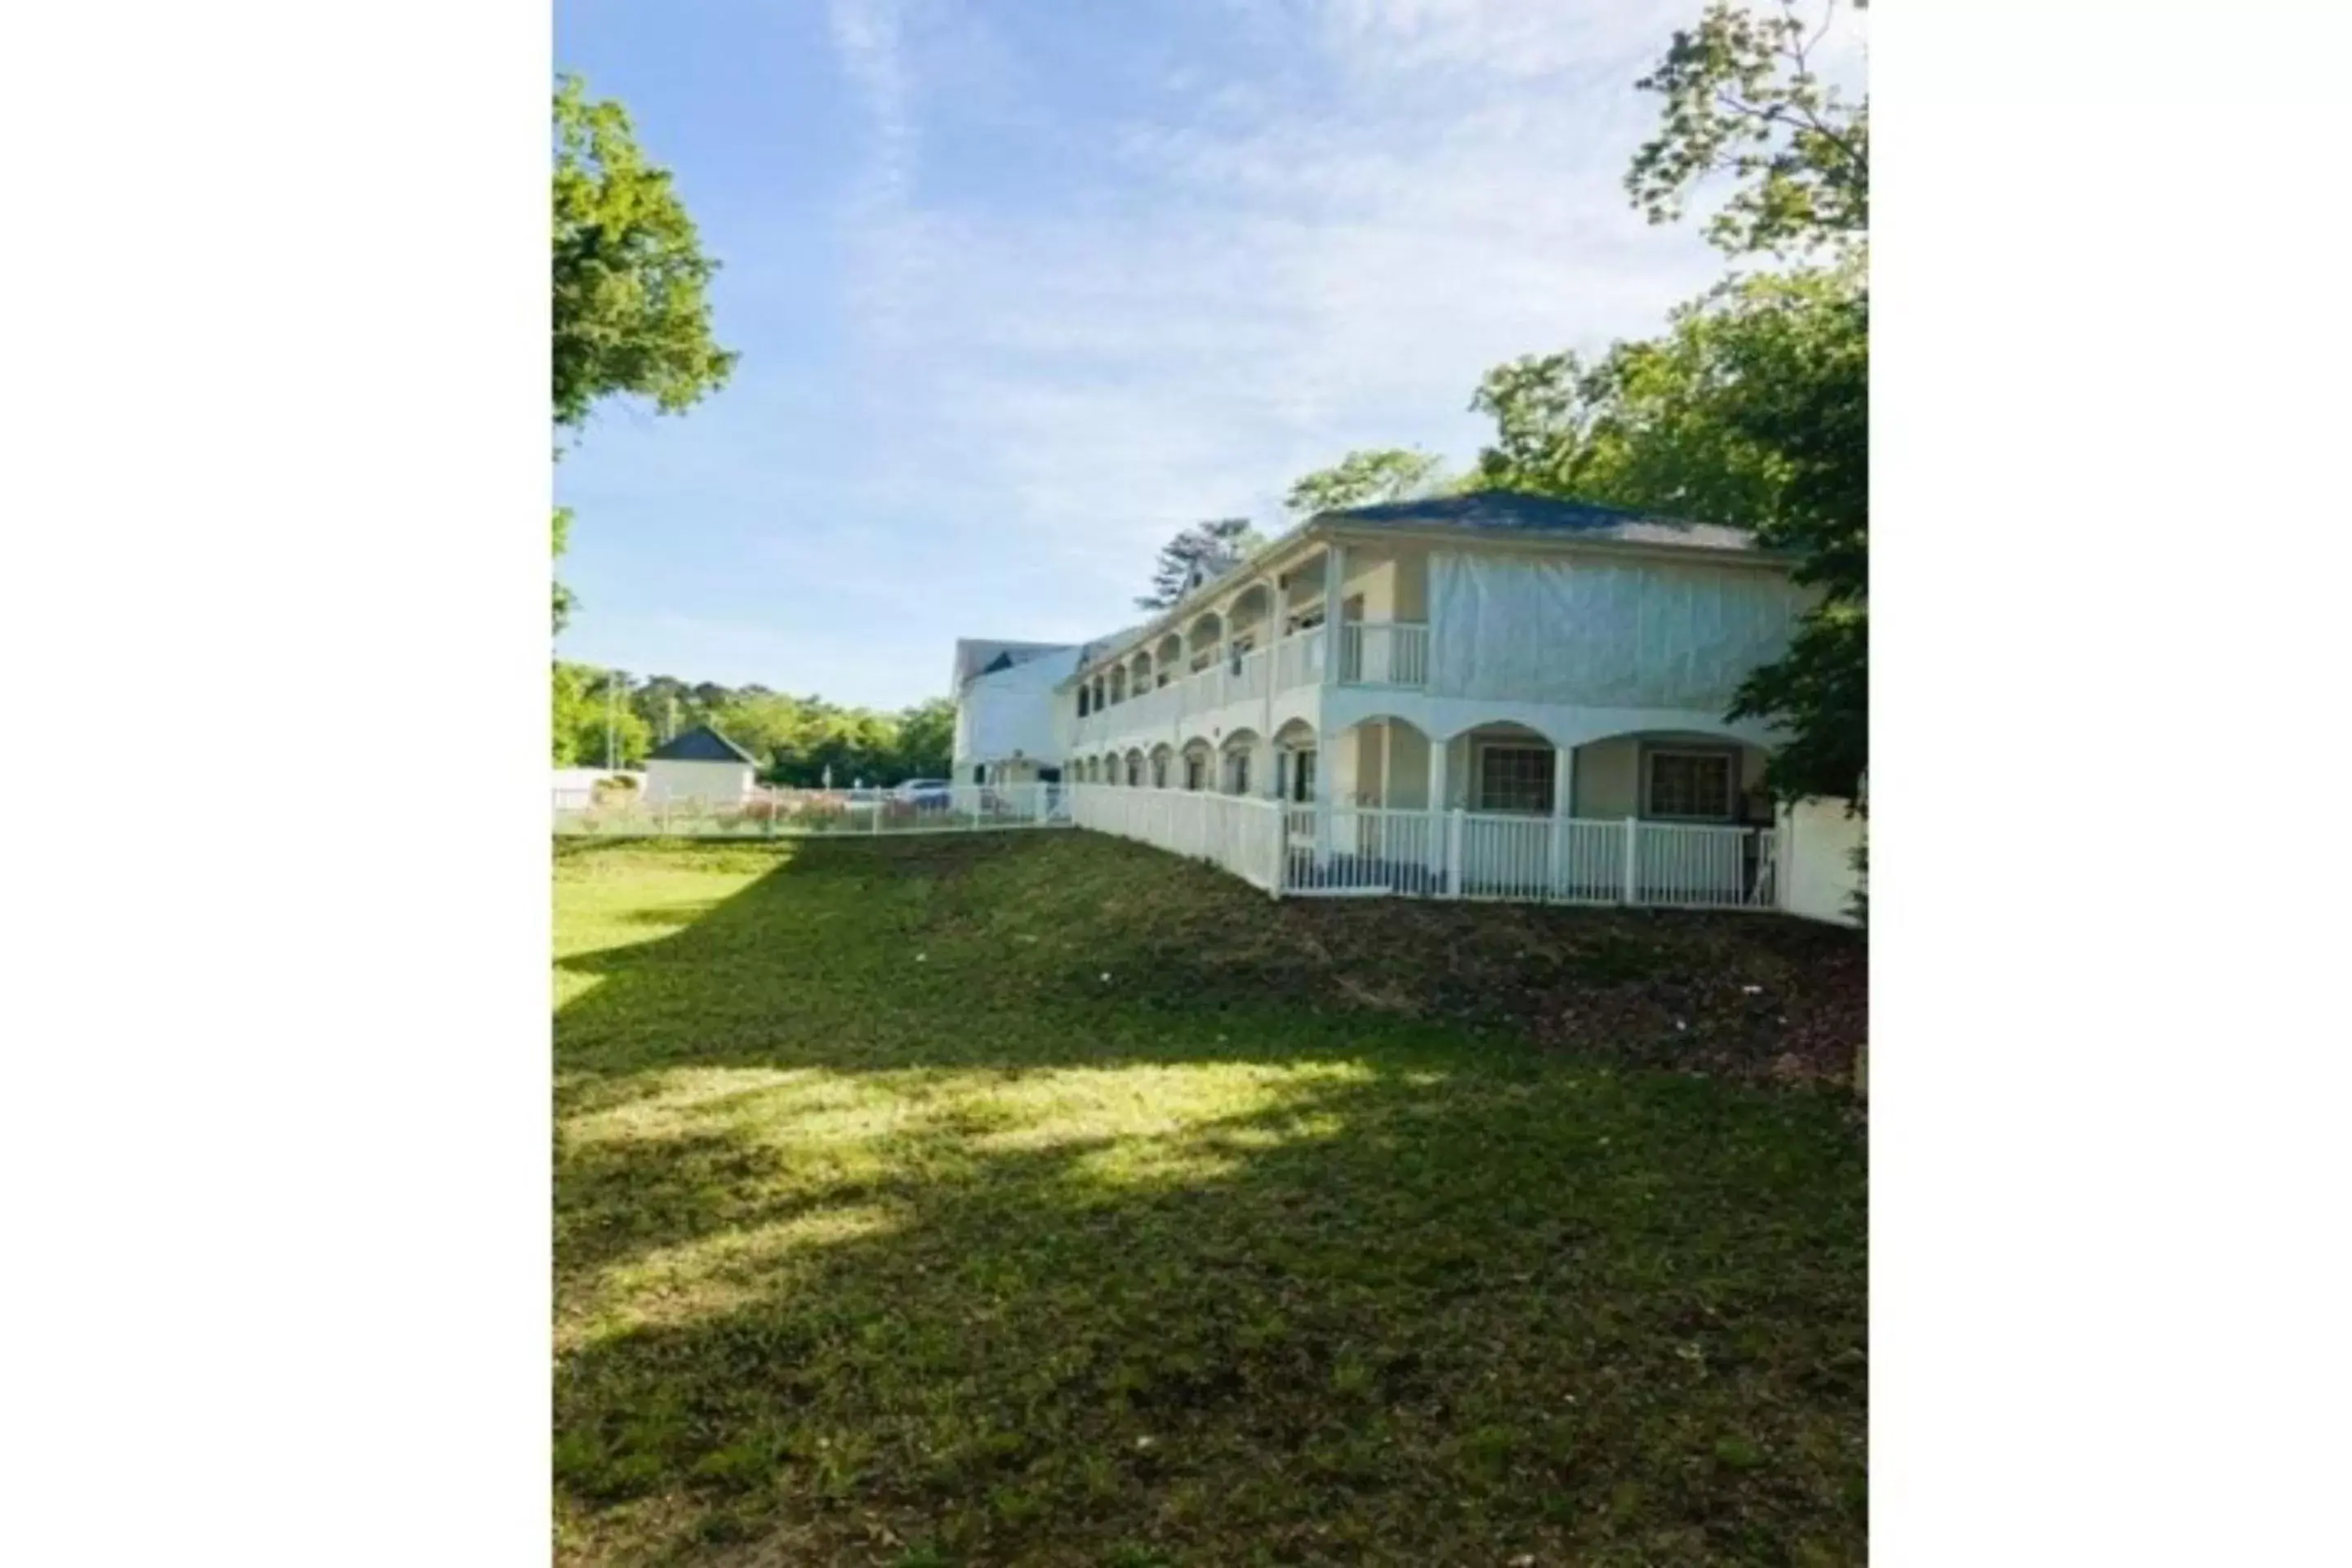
[{"x": 1659, "y": 816}]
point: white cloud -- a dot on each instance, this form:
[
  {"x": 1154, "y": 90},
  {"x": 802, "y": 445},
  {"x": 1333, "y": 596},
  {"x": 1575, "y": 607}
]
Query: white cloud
[{"x": 1250, "y": 274}]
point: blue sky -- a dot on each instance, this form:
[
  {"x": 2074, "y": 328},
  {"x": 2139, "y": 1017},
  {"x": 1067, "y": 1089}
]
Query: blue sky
[{"x": 1022, "y": 288}]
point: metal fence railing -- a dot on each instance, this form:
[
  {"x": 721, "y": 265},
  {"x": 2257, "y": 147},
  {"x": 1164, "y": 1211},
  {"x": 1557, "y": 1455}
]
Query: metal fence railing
[{"x": 811, "y": 813}]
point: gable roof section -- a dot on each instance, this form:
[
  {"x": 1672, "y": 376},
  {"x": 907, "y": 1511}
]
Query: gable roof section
[
  {"x": 976, "y": 657},
  {"x": 701, "y": 744},
  {"x": 1517, "y": 512}
]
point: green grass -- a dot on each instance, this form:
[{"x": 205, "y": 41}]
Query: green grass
[{"x": 1040, "y": 1198}]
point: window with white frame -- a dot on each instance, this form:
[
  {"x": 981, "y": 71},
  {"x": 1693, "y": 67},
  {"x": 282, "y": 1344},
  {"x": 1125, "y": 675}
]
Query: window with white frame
[
  {"x": 1515, "y": 778},
  {"x": 1696, "y": 786}
]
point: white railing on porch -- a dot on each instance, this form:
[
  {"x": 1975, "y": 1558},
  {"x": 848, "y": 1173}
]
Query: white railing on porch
[
  {"x": 1384, "y": 653},
  {"x": 1402, "y": 853}
]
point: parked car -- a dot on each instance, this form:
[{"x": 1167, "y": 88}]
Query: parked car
[{"x": 924, "y": 792}]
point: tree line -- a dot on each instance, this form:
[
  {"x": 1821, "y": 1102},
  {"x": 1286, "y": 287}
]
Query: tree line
[{"x": 799, "y": 742}]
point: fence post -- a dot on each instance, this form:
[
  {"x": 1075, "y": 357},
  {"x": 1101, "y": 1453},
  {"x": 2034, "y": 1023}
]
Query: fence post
[
  {"x": 1453, "y": 853},
  {"x": 1633, "y": 860},
  {"x": 877, "y": 815},
  {"x": 1281, "y": 849}
]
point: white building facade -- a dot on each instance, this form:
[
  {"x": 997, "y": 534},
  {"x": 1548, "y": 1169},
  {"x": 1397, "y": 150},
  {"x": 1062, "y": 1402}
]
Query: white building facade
[{"x": 1481, "y": 694}]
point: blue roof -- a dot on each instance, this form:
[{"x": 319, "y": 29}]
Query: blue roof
[{"x": 1516, "y": 511}]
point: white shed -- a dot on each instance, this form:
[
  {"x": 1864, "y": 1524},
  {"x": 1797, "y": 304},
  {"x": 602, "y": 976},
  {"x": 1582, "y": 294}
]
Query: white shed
[{"x": 701, "y": 764}]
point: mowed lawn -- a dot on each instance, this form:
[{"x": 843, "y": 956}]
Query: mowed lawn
[{"x": 1040, "y": 1198}]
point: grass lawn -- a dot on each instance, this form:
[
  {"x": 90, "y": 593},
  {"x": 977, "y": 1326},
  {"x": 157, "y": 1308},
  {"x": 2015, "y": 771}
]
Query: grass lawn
[{"x": 1040, "y": 1198}]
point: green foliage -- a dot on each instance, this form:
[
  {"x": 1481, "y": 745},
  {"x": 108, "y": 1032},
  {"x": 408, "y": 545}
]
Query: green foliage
[
  {"x": 927, "y": 738},
  {"x": 1212, "y": 548},
  {"x": 796, "y": 738},
  {"x": 564, "y": 601},
  {"x": 632, "y": 308},
  {"x": 1802, "y": 388},
  {"x": 1364, "y": 478},
  {"x": 1753, "y": 409},
  {"x": 587, "y": 721},
  {"x": 1743, "y": 100},
  {"x": 632, "y": 304}
]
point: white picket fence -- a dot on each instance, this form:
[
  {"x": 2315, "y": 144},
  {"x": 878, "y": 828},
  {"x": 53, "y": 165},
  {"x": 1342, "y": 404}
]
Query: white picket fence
[
  {"x": 1371, "y": 852},
  {"x": 1242, "y": 833},
  {"x": 1281, "y": 849},
  {"x": 804, "y": 813}
]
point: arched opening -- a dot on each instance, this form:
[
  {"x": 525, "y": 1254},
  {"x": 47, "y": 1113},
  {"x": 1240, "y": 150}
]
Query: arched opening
[
  {"x": 1134, "y": 779},
  {"x": 1203, "y": 641},
  {"x": 1197, "y": 764},
  {"x": 1672, "y": 775},
  {"x": 1240, "y": 768},
  {"x": 1247, "y": 618},
  {"x": 1119, "y": 683},
  {"x": 1168, "y": 659},
  {"x": 1296, "y": 757},
  {"x": 1163, "y": 762},
  {"x": 1139, "y": 674}
]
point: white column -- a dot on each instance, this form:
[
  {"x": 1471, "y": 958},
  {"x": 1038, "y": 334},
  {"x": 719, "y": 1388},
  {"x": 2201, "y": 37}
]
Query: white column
[
  {"x": 1437, "y": 804},
  {"x": 1270, "y": 641},
  {"x": 1324, "y": 770},
  {"x": 1335, "y": 573},
  {"x": 1563, "y": 794}
]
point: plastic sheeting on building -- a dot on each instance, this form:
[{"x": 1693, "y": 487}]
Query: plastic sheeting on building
[{"x": 1604, "y": 634}]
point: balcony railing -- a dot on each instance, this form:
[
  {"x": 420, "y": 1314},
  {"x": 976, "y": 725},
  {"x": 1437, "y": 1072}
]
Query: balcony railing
[
  {"x": 1384, "y": 653},
  {"x": 1371, "y": 653}
]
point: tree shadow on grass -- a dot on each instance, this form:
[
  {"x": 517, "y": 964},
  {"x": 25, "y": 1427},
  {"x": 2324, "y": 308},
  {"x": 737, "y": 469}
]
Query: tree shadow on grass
[{"x": 864, "y": 1253}]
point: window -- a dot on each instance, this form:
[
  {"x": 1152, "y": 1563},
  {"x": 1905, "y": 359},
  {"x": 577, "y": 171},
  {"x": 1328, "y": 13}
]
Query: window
[
  {"x": 1302, "y": 776},
  {"x": 1160, "y": 772},
  {"x": 1240, "y": 646},
  {"x": 1134, "y": 770},
  {"x": 1697, "y": 785},
  {"x": 1515, "y": 778},
  {"x": 1238, "y": 768},
  {"x": 1192, "y": 770}
]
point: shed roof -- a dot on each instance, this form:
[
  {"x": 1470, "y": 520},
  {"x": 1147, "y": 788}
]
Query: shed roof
[{"x": 701, "y": 744}]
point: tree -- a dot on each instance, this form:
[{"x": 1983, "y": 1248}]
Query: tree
[
  {"x": 632, "y": 303},
  {"x": 926, "y": 745},
  {"x": 1743, "y": 100},
  {"x": 1651, "y": 424},
  {"x": 1211, "y": 549},
  {"x": 564, "y": 601},
  {"x": 1363, "y": 479},
  {"x": 632, "y": 307},
  {"x": 1752, "y": 408},
  {"x": 587, "y": 717}
]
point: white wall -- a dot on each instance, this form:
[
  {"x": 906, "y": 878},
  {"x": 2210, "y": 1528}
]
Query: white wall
[
  {"x": 1603, "y": 632},
  {"x": 1011, "y": 711},
  {"x": 723, "y": 782},
  {"x": 1817, "y": 844}
]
